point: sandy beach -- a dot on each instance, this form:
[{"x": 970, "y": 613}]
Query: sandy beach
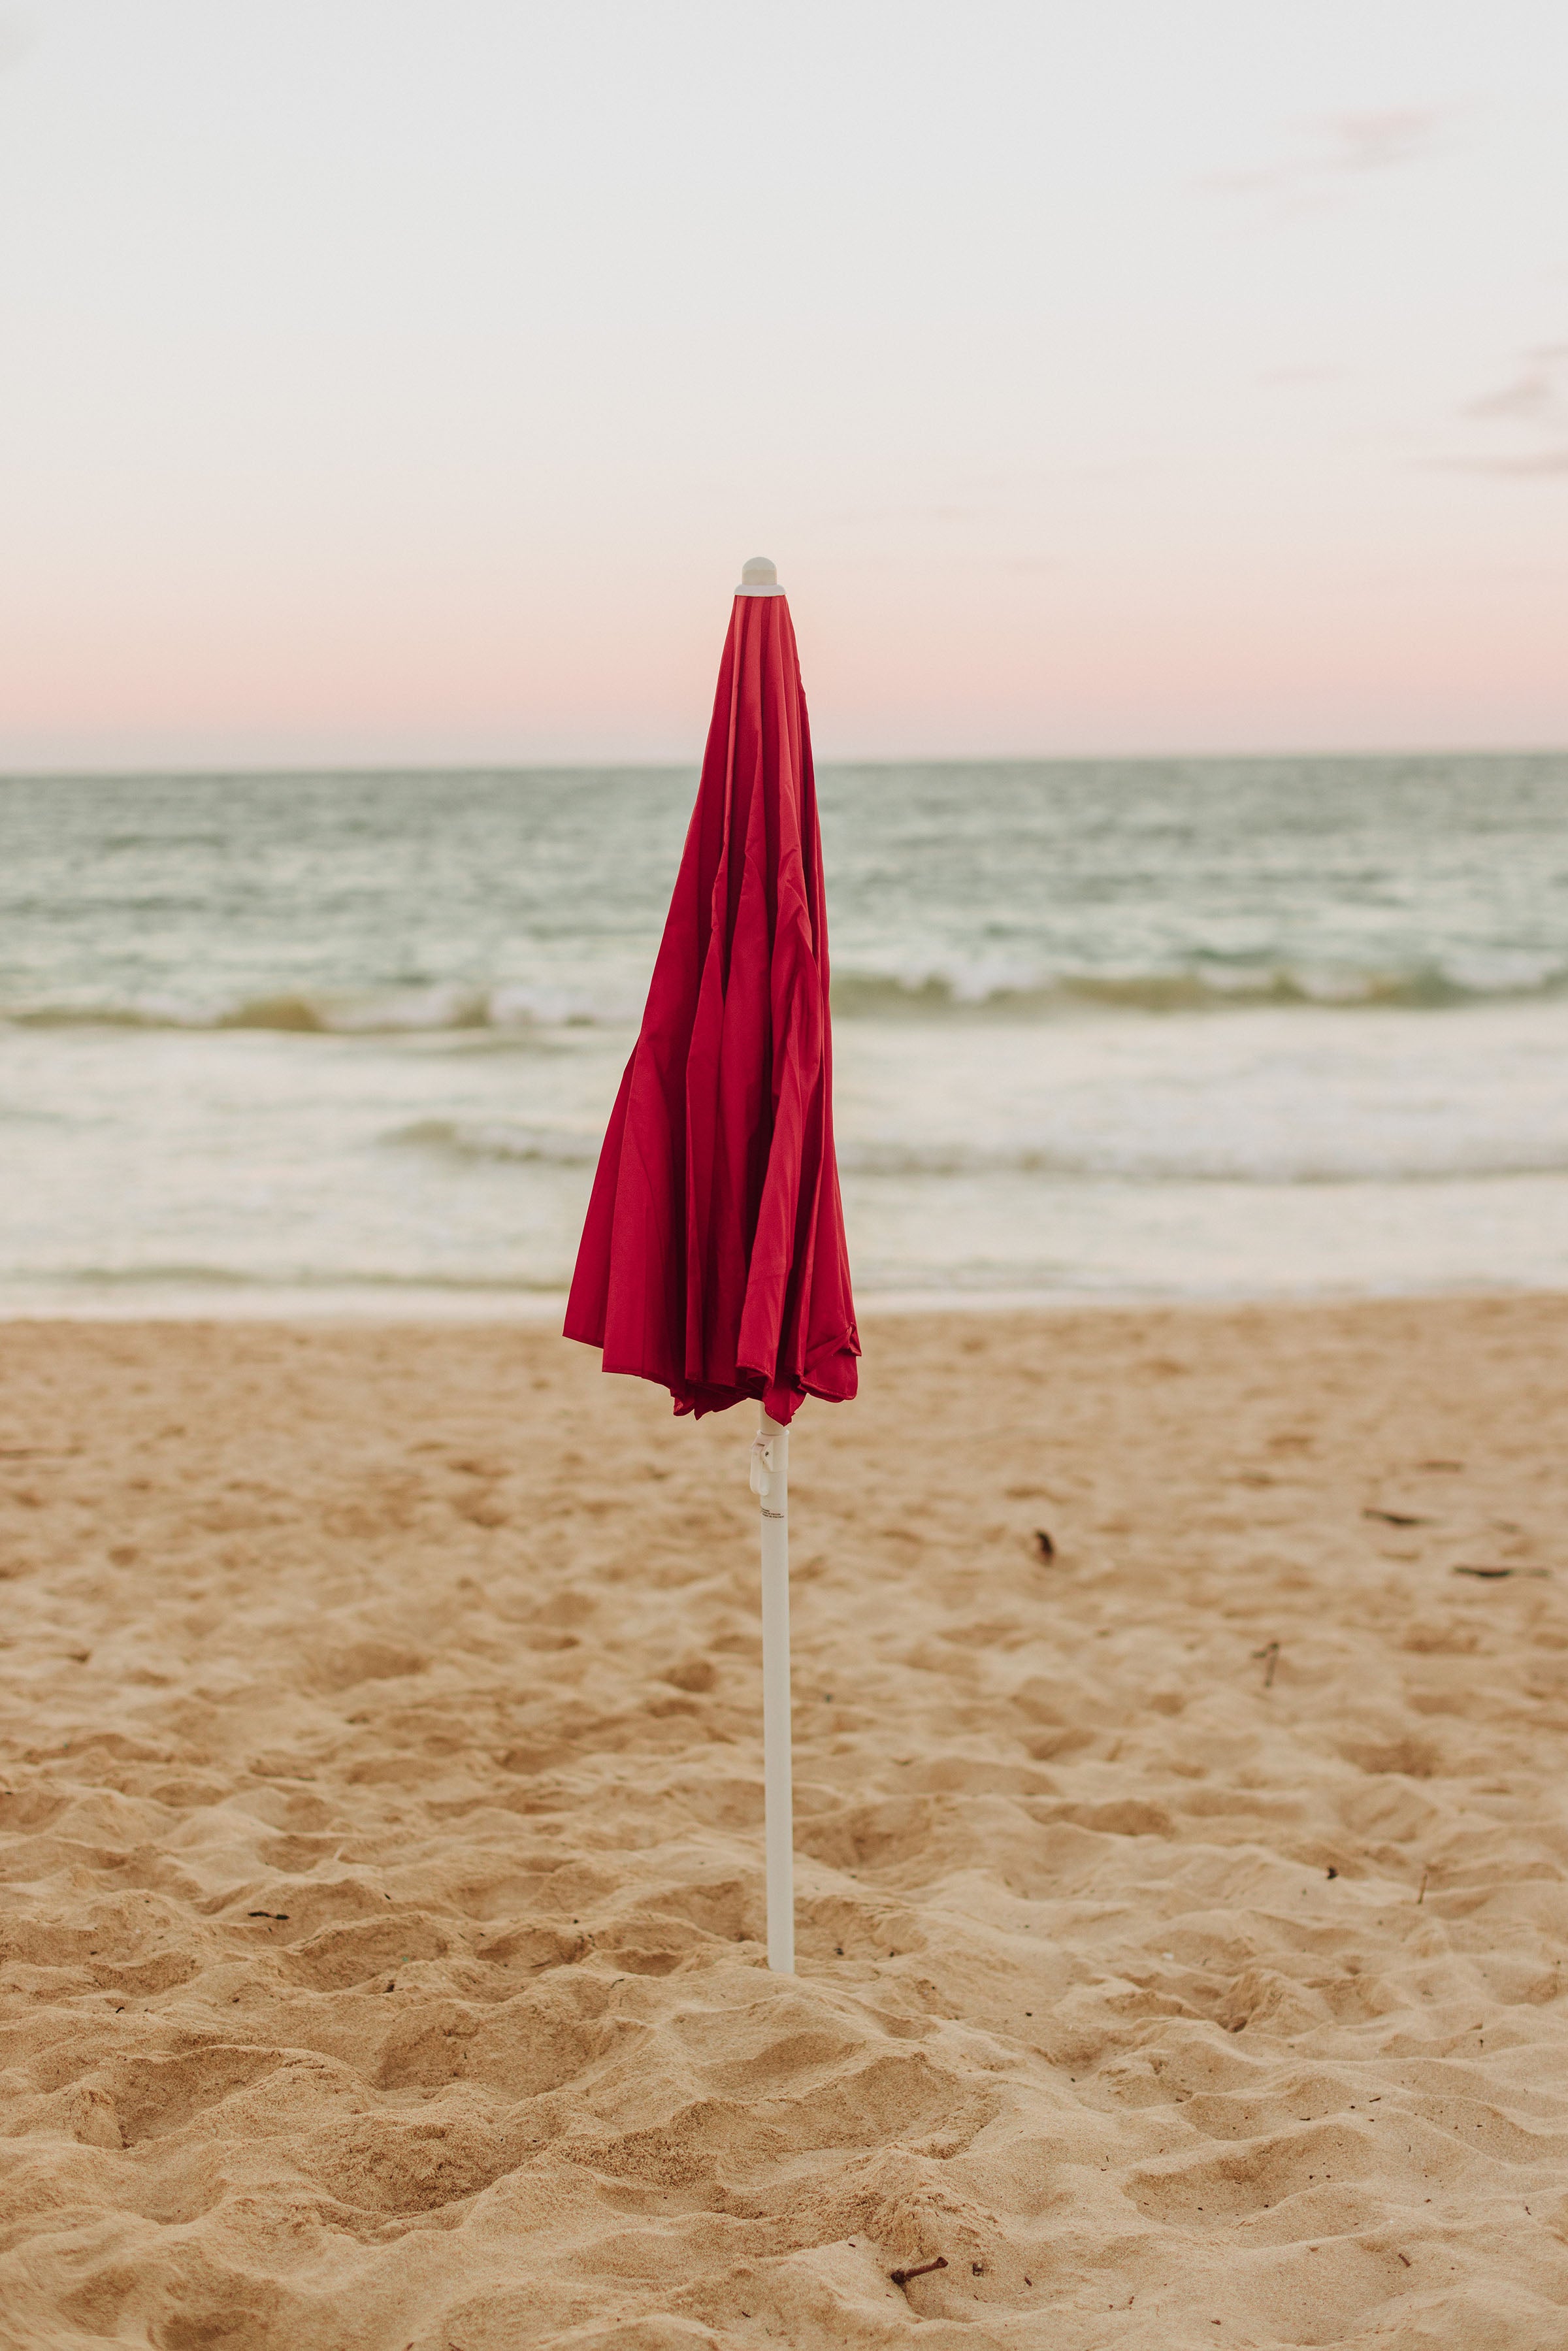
[{"x": 1182, "y": 1915}]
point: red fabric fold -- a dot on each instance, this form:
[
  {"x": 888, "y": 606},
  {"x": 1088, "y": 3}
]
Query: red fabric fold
[{"x": 713, "y": 1257}]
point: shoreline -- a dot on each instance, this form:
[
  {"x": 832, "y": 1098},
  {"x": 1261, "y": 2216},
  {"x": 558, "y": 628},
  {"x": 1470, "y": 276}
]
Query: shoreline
[{"x": 418, "y": 1305}]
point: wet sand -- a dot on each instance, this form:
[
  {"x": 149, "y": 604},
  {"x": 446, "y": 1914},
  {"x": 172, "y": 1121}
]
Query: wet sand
[{"x": 1182, "y": 1916}]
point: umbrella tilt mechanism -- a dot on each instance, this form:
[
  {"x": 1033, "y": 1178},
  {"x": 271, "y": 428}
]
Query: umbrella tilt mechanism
[{"x": 770, "y": 1484}]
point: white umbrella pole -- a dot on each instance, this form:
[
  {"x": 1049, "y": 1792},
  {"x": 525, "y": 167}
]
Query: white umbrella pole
[{"x": 770, "y": 1483}]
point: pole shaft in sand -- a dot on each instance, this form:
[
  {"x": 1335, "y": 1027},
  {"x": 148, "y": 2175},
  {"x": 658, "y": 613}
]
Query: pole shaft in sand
[{"x": 770, "y": 1477}]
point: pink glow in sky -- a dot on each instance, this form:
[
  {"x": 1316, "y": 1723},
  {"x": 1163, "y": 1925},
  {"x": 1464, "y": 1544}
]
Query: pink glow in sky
[{"x": 388, "y": 380}]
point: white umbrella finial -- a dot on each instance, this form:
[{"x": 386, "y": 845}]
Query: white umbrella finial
[{"x": 760, "y": 576}]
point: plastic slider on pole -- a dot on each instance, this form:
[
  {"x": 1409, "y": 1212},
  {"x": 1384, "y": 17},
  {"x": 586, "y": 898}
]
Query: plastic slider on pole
[{"x": 770, "y": 1484}]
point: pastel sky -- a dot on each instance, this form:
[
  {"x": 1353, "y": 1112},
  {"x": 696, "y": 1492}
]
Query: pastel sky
[{"x": 394, "y": 381}]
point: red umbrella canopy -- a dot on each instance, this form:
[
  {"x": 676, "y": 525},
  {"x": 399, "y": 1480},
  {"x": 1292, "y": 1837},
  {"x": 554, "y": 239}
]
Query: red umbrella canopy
[{"x": 713, "y": 1257}]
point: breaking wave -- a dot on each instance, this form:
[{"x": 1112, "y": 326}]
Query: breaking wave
[
  {"x": 1427, "y": 988},
  {"x": 496, "y": 1139},
  {"x": 305, "y": 1012},
  {"x": 517, "y": 1014},
  {"x": 1195, "y": 1160}
]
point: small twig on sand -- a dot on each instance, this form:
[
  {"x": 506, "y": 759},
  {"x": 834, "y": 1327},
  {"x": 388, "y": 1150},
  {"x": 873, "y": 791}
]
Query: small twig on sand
[
  {"x": 1495, "y": 1574},
  {"x": 1047, "y": 1548},
  {"x": 1397, "y": 1518},
  {"x": 902, "y": 2277},
  {"x": 1267, "y": 1658},
  {"x": 1426, "y": 1874}
]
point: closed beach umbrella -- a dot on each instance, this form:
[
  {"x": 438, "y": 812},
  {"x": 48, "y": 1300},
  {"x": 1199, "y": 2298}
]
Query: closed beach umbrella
[{"x": 713, "y": 1257}]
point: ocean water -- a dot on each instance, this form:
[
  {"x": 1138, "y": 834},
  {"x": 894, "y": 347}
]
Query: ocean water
[{"x": 1145, "y": 1028}]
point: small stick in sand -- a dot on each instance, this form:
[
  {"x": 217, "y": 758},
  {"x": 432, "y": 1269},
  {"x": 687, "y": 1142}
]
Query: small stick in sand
[
  {"x": 1492, "y": 1575},
  {"x": 1426, "y": 1874},
  {"x": 1267, "y": 1658},
  {"x": 1047, "y": 1548},
  {"x": 1397, "y": 1518},
  {"x": 902, "y": 2277}
]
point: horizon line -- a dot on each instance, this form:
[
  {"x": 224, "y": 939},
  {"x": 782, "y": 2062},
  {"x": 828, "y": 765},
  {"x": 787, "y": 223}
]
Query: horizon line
[{"x": 169, "y": 771}]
